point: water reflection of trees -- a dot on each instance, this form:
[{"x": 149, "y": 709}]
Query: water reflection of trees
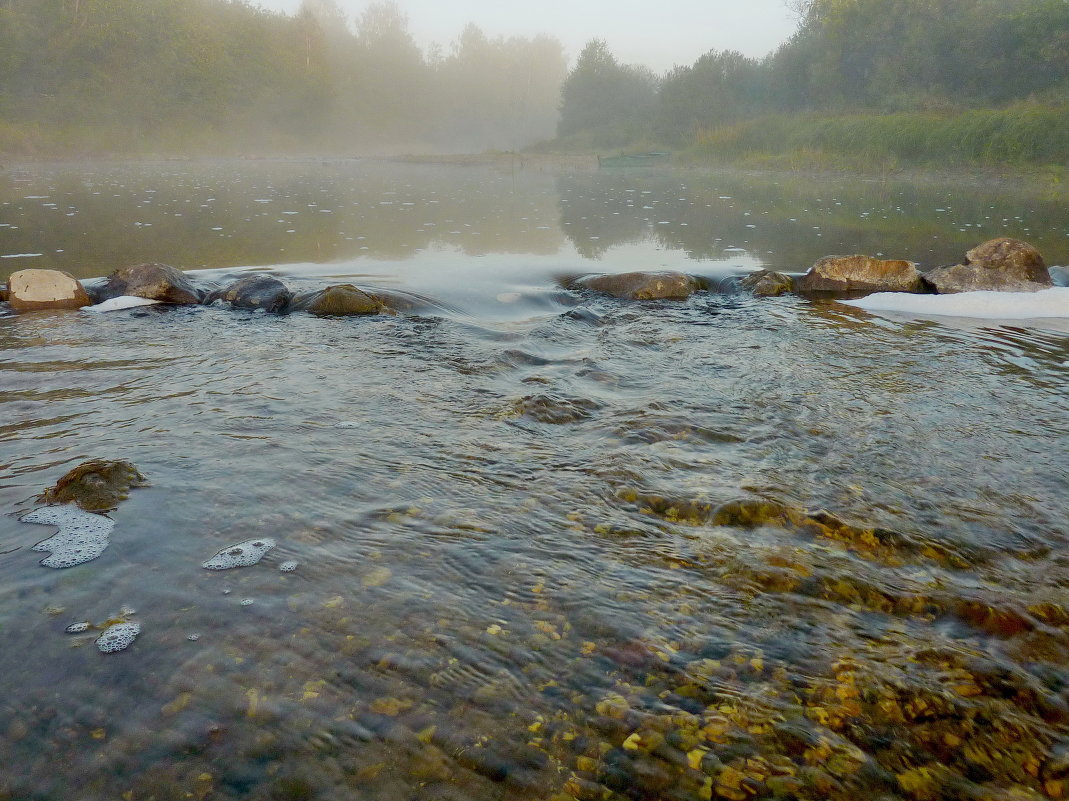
[
  {"x": 228, "y": 215},
  {"x": 789, "y": 222}
]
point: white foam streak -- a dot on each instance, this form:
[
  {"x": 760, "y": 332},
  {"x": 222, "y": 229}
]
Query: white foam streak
[
  {"x": 1048, "y": 303},
  {"x": 121, "y": 302}
]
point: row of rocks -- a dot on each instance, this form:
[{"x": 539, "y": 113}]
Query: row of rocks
[
  {"x": 998, "y": 265},
  {"x": 29, "y": 290},
  {"x": 1006, "y": 265}
]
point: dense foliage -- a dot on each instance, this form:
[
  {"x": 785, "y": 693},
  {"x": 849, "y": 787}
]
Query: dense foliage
[
  {"x": 85, "y": 76},
  {"x": 847, "y": 56}
]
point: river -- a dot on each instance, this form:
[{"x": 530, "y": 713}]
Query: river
[{"x": 548, "y": 545}]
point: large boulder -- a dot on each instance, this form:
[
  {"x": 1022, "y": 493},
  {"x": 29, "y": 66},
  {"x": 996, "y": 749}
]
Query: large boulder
[
  {"x": 254, "y": 292},
  {"x": 642, "y": 285},
  {"x": 999, "y": 265},
  {"x": 152, "y": 281},
  {"x": 767, "y": 284},
  {"x": 340, "y": 300},
  {"x": 29, "y": 290},
  {"x": 860, "y": 274}
]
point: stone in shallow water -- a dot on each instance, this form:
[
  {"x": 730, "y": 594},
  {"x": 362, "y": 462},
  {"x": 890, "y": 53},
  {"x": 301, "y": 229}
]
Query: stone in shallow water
[
  {"x": 118, "y": 637},
  {"x": 82, "y": 537},
  {"x": 96, "y": 486},
  {"x": 244, "y": 554},
  {"x": 30, "y": 290}
]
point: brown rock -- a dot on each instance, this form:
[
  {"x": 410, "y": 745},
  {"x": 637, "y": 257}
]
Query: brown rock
[
  {"x": 3, "y": 293},
  {"x": 642, "y": 285},
  {"x": 45, "y": 289},
  {"x": 999, "y": 265},
  {"x": 153, "y": 281},
  {"x": 340, "y": 300},
  {"x": 860, "y": 274},
  {"x": 767, "y": 284},
  {"x": 96, "y": 486},
  {"x": 254, "y": 292}
]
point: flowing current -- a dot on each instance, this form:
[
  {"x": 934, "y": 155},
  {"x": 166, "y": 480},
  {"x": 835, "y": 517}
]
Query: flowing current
[{"x": 537, "y": 544}]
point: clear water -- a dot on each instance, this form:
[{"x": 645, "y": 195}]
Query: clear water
[{"x": 519, "y": 572}]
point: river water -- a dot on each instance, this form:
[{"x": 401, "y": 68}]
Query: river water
[{"x": 549, "y": 545}]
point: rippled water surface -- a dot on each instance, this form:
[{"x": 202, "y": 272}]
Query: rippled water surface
[{"x": 548, "y": 545}]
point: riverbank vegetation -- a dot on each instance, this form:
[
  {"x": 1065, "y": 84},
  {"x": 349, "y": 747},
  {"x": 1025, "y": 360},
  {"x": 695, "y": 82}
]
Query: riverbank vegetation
[
  {"x": 862, "y": 82},
  {"x": 169, "y": 77}
]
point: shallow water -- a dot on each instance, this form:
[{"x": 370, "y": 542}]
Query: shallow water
[{"x": 524, "y": 570}]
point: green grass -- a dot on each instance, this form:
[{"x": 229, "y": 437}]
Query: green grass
[{"x": 1022, "y": 135}]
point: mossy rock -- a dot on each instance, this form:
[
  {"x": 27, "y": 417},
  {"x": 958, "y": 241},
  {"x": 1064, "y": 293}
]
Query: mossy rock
[{"x": 98, "y": 485}]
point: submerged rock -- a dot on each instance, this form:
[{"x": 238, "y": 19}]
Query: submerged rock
[
  {"x": 153, "y": 281},
  {"x": 3, "y": 293},
  {"x": 860, "y": 274},
  {"x": 29, "y": 290},
  {"x": 1000, "y": 265},
  {"x": 254, "y": 292},
  {"x": 340, "y": 300},
  {"x": 767, "y": 284},
  {"x": 96, "y": 486},
  {"x": 642, "y": 285}
]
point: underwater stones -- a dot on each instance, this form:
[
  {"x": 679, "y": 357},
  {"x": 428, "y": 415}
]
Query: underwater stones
[
  {"x": 254, "y": 292},
  {"x": 340, "y": 300},
  {"x": 555, "y": 410},
  {"x": 1000, "y": 265},
  {"x": 118, "y": 637},
  {"x": 244, "y": 554},
  {"x": 860, "y": 274},
  {"x": 3, "y": 293},
  {"x": 642, "y": 285},
  {"x": 81, "y": 538},
  {"x": 767, "y": 284},
  {"x": 95, "y": 486},
  {"x": 30, "y": 290},
  {"x": 153, "y": 281}
]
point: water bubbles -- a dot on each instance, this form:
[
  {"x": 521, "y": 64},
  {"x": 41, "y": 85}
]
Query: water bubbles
[
  {"x": 288, "y": 567},
  {"x": 193, "y": 637},
  {"x": 247, "y": 601},
  {"x": 82, "y": 536},
  {"x": 77, "y": 628},
  {"x": 118, "y": 637},
  {"x": 244, "y": 554}
]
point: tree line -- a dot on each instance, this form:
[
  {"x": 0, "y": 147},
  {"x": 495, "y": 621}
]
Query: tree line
[
  {"x": 227, "y": 76},
  {"x": 847, "y": 56}
]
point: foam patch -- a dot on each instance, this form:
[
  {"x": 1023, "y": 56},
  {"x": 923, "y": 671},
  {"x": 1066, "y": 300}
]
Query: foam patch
[
  {"x": 288, "y": 567},
  {"x": 118, "y": 637},
  {"x": 82, "y": 536},
  {"x": 244, "y": 554},
  {"x": 121, "y": 302},
  {"x": 77, "y": 628},
  {"x": 1047, "y": 303}
]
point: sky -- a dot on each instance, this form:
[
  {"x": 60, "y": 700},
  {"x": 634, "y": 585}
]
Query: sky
[{"x": 657, "y": 35}]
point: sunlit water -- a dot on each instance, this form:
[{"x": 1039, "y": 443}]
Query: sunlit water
[{"x": 520, "y": 568}]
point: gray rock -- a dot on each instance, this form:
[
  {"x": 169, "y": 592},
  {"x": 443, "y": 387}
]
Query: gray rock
[
  {"x": 254, "y": 292},
  {"x": 340, "y": 300},
  {"x": 29, "y": 290},
  {"x": 860, "y": 274},
  {"x": 767, "y": 284},
  {"x": 998, "y": 265},
  {"x": 1059, "y": 276},
  {"x": 642, "y": 285},
  {"x": 153, "y": 281}
]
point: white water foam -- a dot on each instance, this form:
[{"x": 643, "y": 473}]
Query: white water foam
[
  {"x": 1047, "y": 303},
  {"x": 119, "y": 303},
  {"x": 82, "y": 536},
  {"x": 244, "y": 554},
  {"x": 118, "y": 637}
]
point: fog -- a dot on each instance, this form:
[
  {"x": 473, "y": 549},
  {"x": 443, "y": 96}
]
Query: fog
[{"x": 660, "y": 36}]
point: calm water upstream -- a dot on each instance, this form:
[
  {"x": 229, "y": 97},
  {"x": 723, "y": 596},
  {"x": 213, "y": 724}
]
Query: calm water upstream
[{"x": 549, "y": 545}]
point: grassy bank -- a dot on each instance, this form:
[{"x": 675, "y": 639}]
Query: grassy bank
[{"x": 1024, "y": 135}]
